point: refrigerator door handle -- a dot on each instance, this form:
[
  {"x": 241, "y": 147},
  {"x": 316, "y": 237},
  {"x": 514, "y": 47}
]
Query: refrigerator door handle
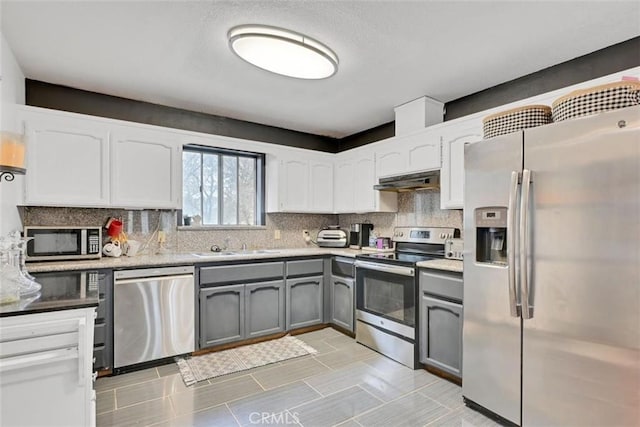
[
  {"x": 527, "y": 311},
  {"x": 514, "y": 307}
]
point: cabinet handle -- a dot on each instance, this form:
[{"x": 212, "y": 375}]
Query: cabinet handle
[
  {"x": 82, "y": 343},
  {"x": 35, "y": 359}
]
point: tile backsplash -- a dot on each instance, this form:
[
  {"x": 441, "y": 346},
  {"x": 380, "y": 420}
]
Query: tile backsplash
[
  {"x": 290, "y": 227},
  {"x": 414, "y": 208},
  {"x": 143, "y": 225},
  {"x": 422, "y": 208}
]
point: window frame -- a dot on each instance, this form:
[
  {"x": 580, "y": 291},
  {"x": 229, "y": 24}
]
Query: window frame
[{"x": 260, "y": 201}]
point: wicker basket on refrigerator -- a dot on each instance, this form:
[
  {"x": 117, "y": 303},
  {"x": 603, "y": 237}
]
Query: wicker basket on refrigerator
[
  {"x": 516, "y": 119},
  {"x": 596, "y": 99}
]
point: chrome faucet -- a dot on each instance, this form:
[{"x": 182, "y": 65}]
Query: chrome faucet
[{"x": 244, "y": 246}]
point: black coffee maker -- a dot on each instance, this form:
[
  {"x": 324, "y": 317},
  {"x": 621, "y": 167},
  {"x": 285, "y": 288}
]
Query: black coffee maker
[{"x": 359, "y": 235}]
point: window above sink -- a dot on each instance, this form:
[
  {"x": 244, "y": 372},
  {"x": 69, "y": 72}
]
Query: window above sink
[{"x": 222, "y": 187}]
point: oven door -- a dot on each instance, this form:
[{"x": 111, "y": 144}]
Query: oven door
[{"x": 386, "y": 295}]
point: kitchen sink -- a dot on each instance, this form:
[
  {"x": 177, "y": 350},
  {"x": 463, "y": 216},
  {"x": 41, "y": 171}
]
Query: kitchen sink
[
  {"x": 214, "y": 254},
  {"x": 258, "y": 251}
]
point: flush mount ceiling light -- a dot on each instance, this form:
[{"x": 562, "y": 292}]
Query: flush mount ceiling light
[{"x": 283, "y": 52}]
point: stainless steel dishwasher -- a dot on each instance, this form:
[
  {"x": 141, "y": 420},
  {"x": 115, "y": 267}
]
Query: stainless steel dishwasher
[{"x": 153, "y": 314}]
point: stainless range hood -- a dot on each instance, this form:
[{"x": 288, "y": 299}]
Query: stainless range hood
[{"x": 412, "y": 182}]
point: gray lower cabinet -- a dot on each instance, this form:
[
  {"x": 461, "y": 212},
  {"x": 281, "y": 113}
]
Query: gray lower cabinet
[
  {"x": 264, "y": 308},
  {"x": 440, "y": 327},
  {"x": 304, "y": 302},
  {"x": 235, "y": 312},
  {"x": 442, "y": 321},
  {"x": 342, "y": 302},
  {"x": 222, "y": 315}
]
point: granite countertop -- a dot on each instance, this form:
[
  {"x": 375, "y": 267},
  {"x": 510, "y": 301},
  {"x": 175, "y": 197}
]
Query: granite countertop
[
  {"x": 442, "y": 264},
  {"x": 183, "y": 259},
  {"x": 190, "y": 258},
  {"x": 51, "y": 300}
]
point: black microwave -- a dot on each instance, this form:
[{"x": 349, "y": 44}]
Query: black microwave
[{"x": 63, "y": 243}]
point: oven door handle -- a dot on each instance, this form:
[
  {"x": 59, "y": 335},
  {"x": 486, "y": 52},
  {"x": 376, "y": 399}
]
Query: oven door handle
[{"x": 392, "y": 269}]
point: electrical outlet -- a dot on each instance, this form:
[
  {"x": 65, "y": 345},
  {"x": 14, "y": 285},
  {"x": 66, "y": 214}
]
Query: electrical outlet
[
  {"x": 162, "y": 237},
  {"x": 276, "y": 235}
]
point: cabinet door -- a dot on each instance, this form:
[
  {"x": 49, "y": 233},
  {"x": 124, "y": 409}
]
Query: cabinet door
[
  {"x": 452, "y": 172},
  {"x": 321, "y": 187},
  {"x": 342, "y": 302},
  {"x": 304, "y": 302},
  {"x": 264, "y": 305},
  {"x": 391, "y": 159},
  {"x": 364, "y": 177},
  {"x": 343, "y": 186},
  {"x": 47, "y": 359},
  {"x": 294, "y": 186},
  {"x": 423, "y": 151},
  {"x": 441, "y": 334},
  {"x": 145, "y": 170},
  {"x": 221, "y": 315},
  {"x": 67, "y": 161}
]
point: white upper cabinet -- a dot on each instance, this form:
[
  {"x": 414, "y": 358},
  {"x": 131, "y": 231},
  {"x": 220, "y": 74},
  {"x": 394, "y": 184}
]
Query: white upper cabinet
[
  {"x": 67, "y": 161},
  {"x": 353, "y": 186},
  {"x": 321, "y": 186},
  {"x": 391, "y": 158},
  {"x": 78, "y": 160},
  {"x": 302, "y": 182},
  {"x": 423, "y": 151},
  {"x": 145, "y": 169},
  {"x": 454, "y": 139},
  {"x": 401, "y": 155},
  {"x": 343, "y": 183},
  {"x": 294, "y": 185}
]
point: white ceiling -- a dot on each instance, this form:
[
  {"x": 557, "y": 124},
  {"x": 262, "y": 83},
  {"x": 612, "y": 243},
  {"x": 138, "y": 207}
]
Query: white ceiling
[{"x": 175, "y": 52}]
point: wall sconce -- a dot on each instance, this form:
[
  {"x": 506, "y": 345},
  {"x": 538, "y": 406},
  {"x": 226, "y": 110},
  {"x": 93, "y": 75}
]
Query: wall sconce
[{"x": 11, "y": 155}]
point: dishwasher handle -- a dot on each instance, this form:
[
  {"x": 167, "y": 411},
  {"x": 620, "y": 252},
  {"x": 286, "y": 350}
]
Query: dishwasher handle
[
  {"x": 150, "y": 279},
  {"x": 153, "y": 272}
]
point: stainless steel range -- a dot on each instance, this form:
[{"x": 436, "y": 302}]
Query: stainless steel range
[{"x": 387, "y": 290}]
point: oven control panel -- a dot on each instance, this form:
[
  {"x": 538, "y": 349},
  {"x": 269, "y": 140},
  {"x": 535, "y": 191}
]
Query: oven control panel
[{"x": 424, "y": 234}]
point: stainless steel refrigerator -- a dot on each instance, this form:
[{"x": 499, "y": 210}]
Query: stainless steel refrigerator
[{"x": 551, "y": 331}]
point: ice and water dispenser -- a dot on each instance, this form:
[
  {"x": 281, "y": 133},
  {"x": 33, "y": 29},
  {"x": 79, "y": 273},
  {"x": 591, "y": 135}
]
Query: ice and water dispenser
[{"x": 491, "y": 235}]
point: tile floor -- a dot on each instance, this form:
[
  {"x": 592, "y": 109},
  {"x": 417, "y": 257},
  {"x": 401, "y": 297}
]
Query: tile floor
[{"x": 344, "y": 384}]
